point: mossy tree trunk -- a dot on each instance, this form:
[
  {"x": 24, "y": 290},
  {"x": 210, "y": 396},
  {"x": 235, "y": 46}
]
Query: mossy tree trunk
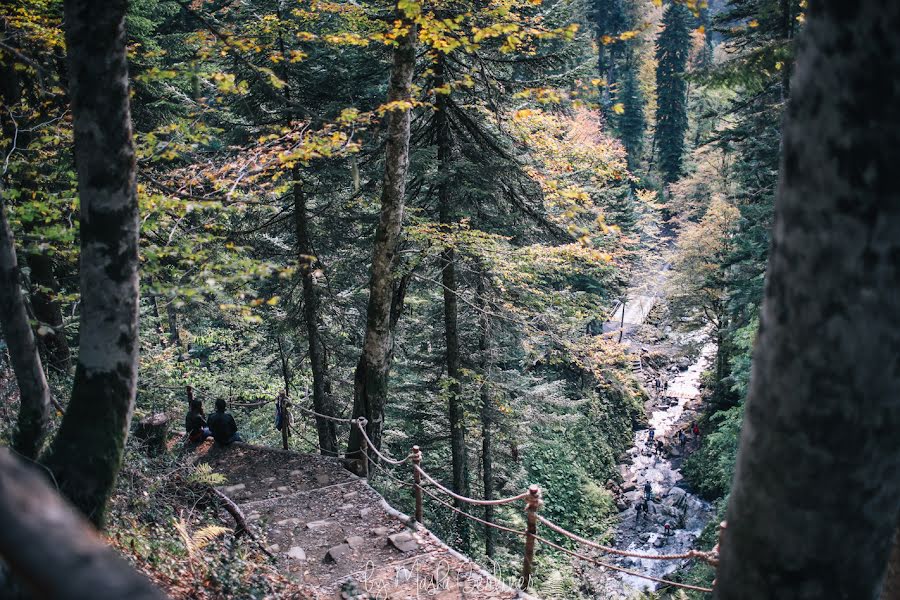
[
  {"x": 455, "y": 408},
  {"x": 385, "y": 292},
  {"x": 322, "y": 402},
  {"x": 34, "y": 395},
  {"x": 87, "y": 452},
  {"x": 487, "y": 416},
  {"x": 814, "y": 505}
]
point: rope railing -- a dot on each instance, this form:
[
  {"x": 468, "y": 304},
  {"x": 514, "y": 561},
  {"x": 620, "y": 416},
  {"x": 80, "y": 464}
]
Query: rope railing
[
  {"x": 465, "y": 499},
  {"x": 533, "y": 502},
  {"x": 627, "y": 571},
  {"x": 705, "y": 556}
]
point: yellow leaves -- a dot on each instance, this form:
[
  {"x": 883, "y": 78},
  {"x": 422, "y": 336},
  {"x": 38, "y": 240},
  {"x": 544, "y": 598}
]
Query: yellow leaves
[
  {"x": 618, "y": 108},
  {"x": 522, "y": 114},
  {"x": 346, "y": 39},
  {"x": 411, "y": 8},
  {"x": 395, "y": 105},
  {"x": 753, "y": 24},
  {"x": 443, "y": 90},
  {"x": 598, "y": 82},
  {"x": 701, "y": 30}
]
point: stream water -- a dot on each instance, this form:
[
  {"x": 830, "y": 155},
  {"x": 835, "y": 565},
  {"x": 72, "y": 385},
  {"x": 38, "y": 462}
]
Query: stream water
[{"x": 670, "y": 409}]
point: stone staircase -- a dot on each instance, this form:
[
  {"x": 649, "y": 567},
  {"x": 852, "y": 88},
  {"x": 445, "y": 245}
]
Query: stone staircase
[{"x": 337, "y": 536}]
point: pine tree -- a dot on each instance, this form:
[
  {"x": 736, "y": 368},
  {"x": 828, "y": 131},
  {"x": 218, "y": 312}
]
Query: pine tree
[
  {"x": 672, "y": 49},
  {"x": 632, "y": 122}
]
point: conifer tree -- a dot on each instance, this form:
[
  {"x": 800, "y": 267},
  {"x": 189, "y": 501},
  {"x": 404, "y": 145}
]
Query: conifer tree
[
  {"x": 632, "y": 122},
  {"x": 672, "y": 49}
]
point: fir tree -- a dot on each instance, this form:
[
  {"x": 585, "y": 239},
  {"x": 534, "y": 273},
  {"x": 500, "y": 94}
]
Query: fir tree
[
  {"x": 672, "y": 49},
  {"x": 632, "y": 122}
]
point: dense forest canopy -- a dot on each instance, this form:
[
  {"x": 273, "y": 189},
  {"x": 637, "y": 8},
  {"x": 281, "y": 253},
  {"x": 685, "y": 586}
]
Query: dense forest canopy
[{"x": 534, "y": 239}]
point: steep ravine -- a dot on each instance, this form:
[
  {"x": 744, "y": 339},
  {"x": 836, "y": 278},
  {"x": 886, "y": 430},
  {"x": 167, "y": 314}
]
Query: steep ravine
[{"x": 672, "y": 408}]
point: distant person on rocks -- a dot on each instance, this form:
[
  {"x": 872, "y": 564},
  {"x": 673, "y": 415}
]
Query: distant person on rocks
[
  {"x": 195, "y": 422},
  {"x": 682, "y": 438},
  {"x": 648, "y": 491},
  {"x": 660, "y": 447},
  {"x": 695, "y": 430},
  {"x": 652, "y": 434},
  {"x": 222, "y": 425}
]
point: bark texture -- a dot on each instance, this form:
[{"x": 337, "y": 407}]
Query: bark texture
[
  {"x": 87, "y": 452},
  {"x": 385, "y": 297},
  {"x": 890, "y": 589},
  {"x": 487, "y": 418},
  {"x": 46, "y": 309},
  {"x": 455, "y": 408},
  {"x": 34, "y": 395},
  {"x": 52, "y": 550},
  {"x": 816, "y": 496},
  {"x": 312, "y": 314}
]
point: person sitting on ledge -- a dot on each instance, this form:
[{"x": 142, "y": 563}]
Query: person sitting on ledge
[
  {"x": 195, "y": 422},
  {"x": 224, "y": 429}
]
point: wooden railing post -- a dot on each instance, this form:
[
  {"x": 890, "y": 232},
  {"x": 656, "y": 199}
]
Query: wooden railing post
[
  {"x": 532, "y": 505},
  {"x": 364, "y": 448},
  {"x": 417, "y": 479}
]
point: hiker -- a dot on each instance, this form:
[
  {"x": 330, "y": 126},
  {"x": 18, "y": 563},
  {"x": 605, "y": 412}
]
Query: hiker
[
  {"x": 222, "y": 425},
  {"x": 648, "y": 491},
  {"x": 195, "y": 422},
  {"x": 638, "y": 510},
  {"x": 660, "y": 447},
  {"x": 651, "y": 434},
  {"x": 695, "y": 430},
  {"x": 668, "y": 527},
  {"x": 682, "y": 439}
]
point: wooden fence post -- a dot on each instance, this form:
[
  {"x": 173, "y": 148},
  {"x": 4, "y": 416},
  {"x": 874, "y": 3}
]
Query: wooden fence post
[
  {"x": 364, "y": 448},
  {"x": 532, "y": 504},
  {"x": 417, "y": 479}
]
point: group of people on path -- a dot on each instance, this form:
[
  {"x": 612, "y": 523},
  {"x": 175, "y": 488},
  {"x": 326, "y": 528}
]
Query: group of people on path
[
  {"x": 220, "y": 425},
  {"x": 658, "y": 446}
]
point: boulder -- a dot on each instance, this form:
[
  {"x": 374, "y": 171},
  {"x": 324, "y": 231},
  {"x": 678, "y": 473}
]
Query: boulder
[
  {"x": 337, "y": 553},
  {"x": 296, "y": 552},
  {"x": 355, "y": 541},
  {"x": 313, "y": 525},
  {"x": 403, "y": 541}
]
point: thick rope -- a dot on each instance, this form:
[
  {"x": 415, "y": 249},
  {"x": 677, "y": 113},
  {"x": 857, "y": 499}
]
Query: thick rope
[
  {"x": 362, "y": 429},
  {"x": 685, "y": 555},
  {"x": 321, "y": 416},
  {"x": 622, "y": 569},
  {"x": 464, "y": 498},
  {"x": 473, "y": 517}
]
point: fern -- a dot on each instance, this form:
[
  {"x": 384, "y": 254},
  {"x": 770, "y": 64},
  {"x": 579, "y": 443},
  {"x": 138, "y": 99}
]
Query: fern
[
  {"x": 198, "y": 540},
  {"x": 203, "y": 537},
  {"x": 204, "y": 475}
]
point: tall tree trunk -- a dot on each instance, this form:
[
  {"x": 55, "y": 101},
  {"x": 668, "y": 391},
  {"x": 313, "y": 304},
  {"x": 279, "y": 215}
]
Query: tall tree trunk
[
  {"x": 456, "y": 410},
  {"x": 322, "y": 403},
  {"x": 51, "y": 550},
  {"x": 814, "y": 504},
  {"x": 87, "y": 452},
  {"x": 48, "y": 313},
  {"x": 172, "y": 317},
  {"x": 371, "y": 376},
  {"x": 487, "y": 415},
  {"x": 891, "y": 588},
  {"x": 34, "y": 395}
]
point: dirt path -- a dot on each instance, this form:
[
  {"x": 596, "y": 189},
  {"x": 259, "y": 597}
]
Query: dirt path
[{"x": 335, "y": 534}]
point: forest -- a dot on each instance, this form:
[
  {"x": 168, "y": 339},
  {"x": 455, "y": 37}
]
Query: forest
[{"x": 353, "y": 299}]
